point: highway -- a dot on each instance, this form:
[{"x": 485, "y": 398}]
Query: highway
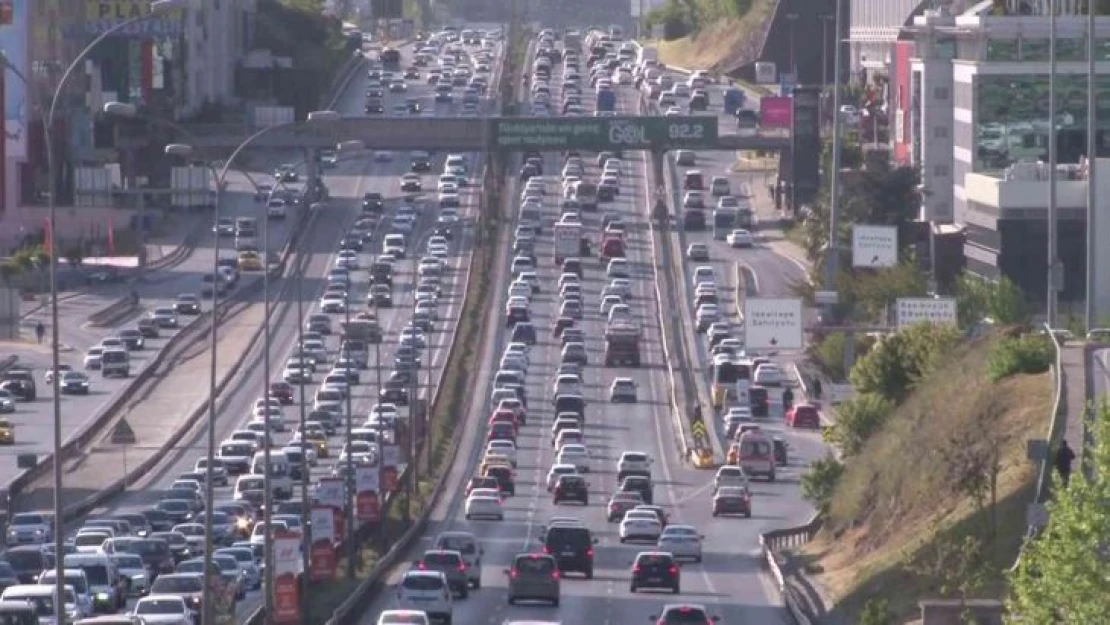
[
  {"x": 34, "y": 421},
  {"x": 729, "y": 580},
  {"x": 365, "y": 172}
]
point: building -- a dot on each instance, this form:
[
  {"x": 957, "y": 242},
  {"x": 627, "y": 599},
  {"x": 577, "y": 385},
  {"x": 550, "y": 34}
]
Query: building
[
  {"x": 876, "y": 26},
  {"x": 974, "y": 119},
  {"x": 217, "y": 36}
]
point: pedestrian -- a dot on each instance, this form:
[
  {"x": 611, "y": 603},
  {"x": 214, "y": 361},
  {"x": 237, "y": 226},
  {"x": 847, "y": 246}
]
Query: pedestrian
[
  {"x": 787, "y": 399},
  {"x": 40, "y": 331},
  {"x": 816, "y": 387},
  {"x": 1064, "y": 457}
]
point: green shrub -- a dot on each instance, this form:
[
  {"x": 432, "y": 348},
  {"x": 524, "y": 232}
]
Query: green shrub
[
  {"x": 1031, "y": 353},
  {"x": 827, "y": 352},
  {"x": 819, "y": 482},
  {"x": 856, "y": 420},
  {"x": 897, "y": 362},
  {"x": 876, "y": 612}
]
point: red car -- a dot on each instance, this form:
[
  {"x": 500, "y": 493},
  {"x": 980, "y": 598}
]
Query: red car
[
  {"x": 803, "y": 416},
  {"x": 283, "y": 392}
]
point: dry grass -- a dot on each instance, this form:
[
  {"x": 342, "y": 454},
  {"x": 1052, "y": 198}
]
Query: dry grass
[
  {"x": 723, "y": 45},
  {"x": 895, "y": 508}
]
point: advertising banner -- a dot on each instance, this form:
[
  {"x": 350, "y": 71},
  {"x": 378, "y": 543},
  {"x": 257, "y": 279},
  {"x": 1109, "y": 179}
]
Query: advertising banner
[
  {"x": 391, "y": 455},
  {"x": 14, "y": 33},
  {"x": 103, "y": 15},
  {"x": 366, "y": 487},
  {"x": 323, "y": 558},
  {"x": 329, "y": 492},
  {"x": 287, "y": 565},
  {"x": 776, "y": 112}
]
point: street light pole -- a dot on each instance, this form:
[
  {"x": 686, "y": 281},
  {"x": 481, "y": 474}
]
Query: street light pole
[
  {"x": 157, "y": 7},
  {"x": 381, "y": 424},
  {"x": 832, "y": 259},
  {"x": 306, "y": 541},
  {"x": 1092, "y": 164},
  {"x": 792, "y": 18},
  {"x": 1053, "y": 254}
]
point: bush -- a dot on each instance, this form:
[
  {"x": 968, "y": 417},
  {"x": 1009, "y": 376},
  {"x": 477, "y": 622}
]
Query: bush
[
  {"x": 897, "y": 362},
  {"x": 1031, "y": 353},
  {"x": 876, "y": 612},
  {"x": 1001, "y": 301},
  {"x": 827, "y": 352},
  {"x": 856, "y": 420},
  {"x": 819, "y": 482}
]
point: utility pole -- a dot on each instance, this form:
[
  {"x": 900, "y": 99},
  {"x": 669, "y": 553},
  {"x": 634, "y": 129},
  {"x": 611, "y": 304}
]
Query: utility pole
[
  {"x": 268, "y": 490},
  {"x": 832, "y": 260},
  {"x": 306, "y": 536},
  {"x": 1092, "y": 160},
  {"x": 1053, "y": 254},
  {"x": 381, "y": 424}
]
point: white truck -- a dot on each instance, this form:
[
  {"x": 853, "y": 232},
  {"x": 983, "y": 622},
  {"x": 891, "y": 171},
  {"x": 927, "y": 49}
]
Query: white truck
[{"x": 568, "y": 240}]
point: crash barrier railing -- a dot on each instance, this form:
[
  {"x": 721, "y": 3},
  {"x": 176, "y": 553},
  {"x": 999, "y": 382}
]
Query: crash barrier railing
[
  {"x": 352, "y": 609},
  {"x": 97, "y": 427},
  {"x": 771, "y": 543},
  {"x": 183, "y": 251}
]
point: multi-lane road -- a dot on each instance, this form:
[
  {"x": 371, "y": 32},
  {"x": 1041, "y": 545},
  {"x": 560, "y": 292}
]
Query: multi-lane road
[
  {"x": 347, "y": 182},
  {"x": 729, "y": 580}
]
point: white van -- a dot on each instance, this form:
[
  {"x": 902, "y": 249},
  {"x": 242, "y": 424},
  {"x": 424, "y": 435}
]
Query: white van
[
  {"x": 427, "y": 591},
  {"x": 455, "y": 160},
  {"x": 43, "y": 599},
  {"x": 394, "y": 244},
  {"x": 279, "y": 471}
]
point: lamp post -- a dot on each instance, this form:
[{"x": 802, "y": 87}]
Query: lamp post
[
  {"x": 157, "y": 7},
  {"x": 791, "y": 19},
  {"x": 185, "y": 151},
  {"x": 1092, "y": 164},
  {"x": 825, "y": 19},
  {"x": 1053, "y": 254},
  {"x": 832, "y": 260}
]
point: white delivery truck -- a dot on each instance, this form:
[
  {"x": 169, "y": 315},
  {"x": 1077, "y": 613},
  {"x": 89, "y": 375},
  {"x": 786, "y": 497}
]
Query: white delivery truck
[{"x": 568, "y": 240}]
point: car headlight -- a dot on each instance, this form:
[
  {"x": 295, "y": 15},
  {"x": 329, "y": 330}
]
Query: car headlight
[
  {"x": 39, "y": 531},
  {"x": 103, "y": 596}
]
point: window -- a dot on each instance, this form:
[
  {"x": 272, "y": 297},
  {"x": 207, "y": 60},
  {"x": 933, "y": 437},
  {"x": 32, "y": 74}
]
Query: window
[{"x": 940, "y": 132}]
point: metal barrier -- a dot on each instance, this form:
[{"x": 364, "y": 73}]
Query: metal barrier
[{"x": 771, "y": 543}]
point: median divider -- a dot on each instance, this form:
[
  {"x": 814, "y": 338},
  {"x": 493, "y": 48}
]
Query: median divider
[
  {"x": 114, "y": 313},
  {"x": 183, "y": 251},
  {"x": 97, "y": 427}
]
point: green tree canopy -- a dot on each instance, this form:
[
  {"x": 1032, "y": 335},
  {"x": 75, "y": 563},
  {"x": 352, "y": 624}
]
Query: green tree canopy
[
  {"x": 896, "y": 363},
  {"x": 1064, "y": 573}
]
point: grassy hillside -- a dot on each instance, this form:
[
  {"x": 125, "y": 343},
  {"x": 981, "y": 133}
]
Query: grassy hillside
[
  {"x": 718, "y": 34},
  {"x": 912, "y": 516}
]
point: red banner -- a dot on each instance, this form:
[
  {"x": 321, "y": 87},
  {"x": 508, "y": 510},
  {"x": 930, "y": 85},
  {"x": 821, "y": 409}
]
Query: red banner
[
  {"x": 287, "y": 605},
  {"x": 322, "y": 561},
  {"x": 368, "y": 507},
  {"x": 389, "y": 480}
]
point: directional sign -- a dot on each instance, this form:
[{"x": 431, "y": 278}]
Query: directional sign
[
  {"x": 874, "y": 246},
  {"x": 123, "y": 434},
  {"x": 772, "y": 323},
  {"x": 605, "y": 133},
  {"x": 937, "y": 310}
]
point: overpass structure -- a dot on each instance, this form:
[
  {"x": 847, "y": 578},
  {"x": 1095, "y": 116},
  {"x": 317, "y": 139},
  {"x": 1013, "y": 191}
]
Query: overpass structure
[{"x": 499, "y": 134}]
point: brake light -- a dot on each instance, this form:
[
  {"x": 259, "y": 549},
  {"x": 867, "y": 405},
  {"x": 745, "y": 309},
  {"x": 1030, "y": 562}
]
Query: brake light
[
  {"x": 462, "y": 568},
  {"x": 554, "y": 574},
  {"x": 674, "y": 570},
  {"x": 513, "y": 573},
  {"x": 547, "y": 550},
  {"x": 636, "y": 569},
  {"x": 590, "y": 553},
  {"x": 423, "y": 567}
]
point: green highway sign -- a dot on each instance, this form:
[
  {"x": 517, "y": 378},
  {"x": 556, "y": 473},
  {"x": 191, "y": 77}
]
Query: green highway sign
[{"x": 604, "y": 133}]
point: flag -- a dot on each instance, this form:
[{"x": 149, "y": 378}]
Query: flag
[{"x": 111, "y": 238}]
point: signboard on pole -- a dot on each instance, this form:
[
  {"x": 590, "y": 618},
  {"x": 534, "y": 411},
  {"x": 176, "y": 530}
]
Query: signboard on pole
[
  {"x": 874, "y": 246},
  {"x": 637, "y": 8},
  {"x": 772, "y": 323},
  {"x": 776, "y": 112},
  {"x": 322, "y": 559},
  {"x": 766, "y": 73},
  {"x": 391, "y": 460},
  {"x": 366, "y": 489},
  {"x": 287, "y": 564},
  {"x": 329, "y": 492},
  {"x": 606, "y": 133},
  {"x": 936, "y": 310}
]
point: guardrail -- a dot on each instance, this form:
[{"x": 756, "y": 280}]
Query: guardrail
[
  {"x": 771, "y": 543},
  {"x": 365, "y": 592}
]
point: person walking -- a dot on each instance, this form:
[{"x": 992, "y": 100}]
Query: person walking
[
  {"x": 40, "y": 332},
  {"x": 816, "y": 387},
  {"x": 1064, "y": 458}
]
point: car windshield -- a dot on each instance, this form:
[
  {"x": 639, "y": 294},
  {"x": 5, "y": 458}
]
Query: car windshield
[
  {"x": 27, "y": 519},
  {"x": 463, "y": 545},
  {"x": 169, "y": 584},
  {"x": 685, "y": 616},
  {"x": 97, "y": 574},
  {"x": 90, "y": 540},
  {"x": 128, "y": 561},
  {"x": 535, "y": 565},
  {"x": 25, "y": 560}
]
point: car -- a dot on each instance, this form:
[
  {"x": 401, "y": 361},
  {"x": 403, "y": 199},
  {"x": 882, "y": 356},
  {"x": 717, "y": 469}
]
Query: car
[
  {"x": 403, "y": 617},
  {"x": 740, "y": 238},
  {"x": 451, "y": 564},
  {"x": 575, "y": 454},
  {"x": 622, "y": 390},
  {"x": 633, "y": 463},
  {"x": 640, "y": 484},
  {"x": 7, "y": 401},
  {"x": 730, "y": 500},
  {"x": 682, "y": 541},
  {"x": 471, "y": 550},
  {"x": 187, "y": 304},
  {"x": 427, "y": 591},
  {"x": 164, "y": 609},
  {"x": 572, "y": 546},
  {"x": 697, "y": 252},
  {"x": 684, "y": 614},
  {"x": 74, "y": 383},
  {"x": 657, "y": 570},
  {"x": 571, "y": 488},
  {"x": 768, "y": 374},
  {"x": 481, "y": 505},
  {"x": 620, "y": 503},
  {"x": 534, "y": 577},
  {"x": 48, "y": 376}
]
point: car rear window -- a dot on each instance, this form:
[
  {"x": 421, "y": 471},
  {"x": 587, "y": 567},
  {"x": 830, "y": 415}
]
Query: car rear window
[
  {"x": 755, "y": 448},
  {"x": 449, "y": 559},
  {"x": 535, "y": 565},
  {"x": 686, "y": 615},
  {"x": 422, "y": 583},
  {"x": 455, "y": 543},
  {"x": 575, "y": 536}
]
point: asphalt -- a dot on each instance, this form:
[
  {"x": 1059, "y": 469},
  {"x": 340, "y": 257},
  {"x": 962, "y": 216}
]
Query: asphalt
[
  {"x": 347, "y": 183},
  {"x": 728, "y": 581}
]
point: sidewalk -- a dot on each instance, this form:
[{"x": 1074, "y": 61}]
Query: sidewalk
[{"x": 1076, "y": 368}]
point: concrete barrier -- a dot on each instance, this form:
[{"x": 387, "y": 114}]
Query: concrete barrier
[
  {"x": 771, "y": 543},
  {"x": 113, "y": 313}
]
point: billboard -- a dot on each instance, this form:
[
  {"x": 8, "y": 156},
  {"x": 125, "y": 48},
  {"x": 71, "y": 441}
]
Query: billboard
[
  {"x": 14, "y": 26},
  {"x": 934, "y": 310},
  {"x": 103, "y": 15},
  {"x": 367, "y": 487},
  {"x": 287, "y": 566},
  {"x": 322, "y": 557},
  {"x": 776, "y": 112}
]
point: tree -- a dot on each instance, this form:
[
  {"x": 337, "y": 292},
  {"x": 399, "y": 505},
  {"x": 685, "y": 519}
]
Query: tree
[
  {"x": 819, "y": 482},
  {"x": 1001, "y": 301},
  {"x": 856, "y": 420},
  {"x": 897, "y": 362},
  {"x": 1063, "y": 573}
]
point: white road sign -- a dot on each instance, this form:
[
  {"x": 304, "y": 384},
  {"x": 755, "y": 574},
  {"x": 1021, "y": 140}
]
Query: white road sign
[
  {"x": 772, "y": 323},
  {"x": 938, "y": 310},
  {"x": 874, "y": 246}
]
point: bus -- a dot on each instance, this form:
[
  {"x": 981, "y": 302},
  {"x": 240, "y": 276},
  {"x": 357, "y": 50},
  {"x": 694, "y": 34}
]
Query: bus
[
  {"x": 731, "y": 377},
  {"x": 724, "y": 221}
]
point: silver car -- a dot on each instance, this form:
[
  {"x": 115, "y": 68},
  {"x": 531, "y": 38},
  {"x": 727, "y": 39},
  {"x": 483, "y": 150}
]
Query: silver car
[
  {"x": 534, "y": 577},
  {"x": 252, "y": 575}
]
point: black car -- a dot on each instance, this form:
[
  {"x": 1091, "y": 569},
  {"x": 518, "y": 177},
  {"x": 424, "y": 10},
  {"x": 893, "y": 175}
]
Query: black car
[
  {"x": 571, "y": 488},
  {"x": 638, "y": 484},
  {"x": 159, "y": 521},
  {"x": 504, "y": 476},
  {"x": 27, "y": 561},
  {"x": 352, "y": 242},
  {"x": 132, "y": 338},
  {"x": 178, "y": 545},
  {"x": 373, "y": 202},
  {"x": 572, "y": 547},
  {"x": 374, "y": 107},
  {"x": 398, "y": 396},
  {"x": 655, "y": 570},
  {"x": 148, "y": 328},
  {"x": 759, "y": 401},
  {"x": 20, "y": 382},
  {"x": 156, "y": 554}
]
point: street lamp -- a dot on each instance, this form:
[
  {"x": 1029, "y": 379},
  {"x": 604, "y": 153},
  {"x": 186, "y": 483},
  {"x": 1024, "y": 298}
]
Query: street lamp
[
  {"x": 157, "y": 7},
  {"x": 185, "y": 151},
  {"x": 791, "y": 18}
]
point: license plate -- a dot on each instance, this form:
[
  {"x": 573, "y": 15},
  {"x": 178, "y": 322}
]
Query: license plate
[
  {"x": 568, "y": 553},
  {"x": 655, "y": 579}
]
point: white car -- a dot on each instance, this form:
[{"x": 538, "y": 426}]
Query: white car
[
  {"x": 557, "y": 471},
  {"x": 621, "y": 286},
  {"x": 333, "y": 303},
  {"x": 575, "y": 454},
  {"x": 403, "y": 617},
  {"x": 484, "y": 505},
  {"x": 503, "y": 448},
  {"x": 633, "y": 463},
  {"x": 618, "y": 268},
  {"x": 93, "y": 357},
  {"x": 347, "y": 259},
  {"x": 164, "y": 610},
  {"x": 275, "y": 208},
  {"x": 768, "y": 374},
  {"x": 740, "y": 238},
  {"x": 730, "y": 475},
  {"x": 427, "y": 591},
  {"x": 640, "y": 525},
  {"x": 448, "y": 199},
  {"x": 683, "y": 541}
]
